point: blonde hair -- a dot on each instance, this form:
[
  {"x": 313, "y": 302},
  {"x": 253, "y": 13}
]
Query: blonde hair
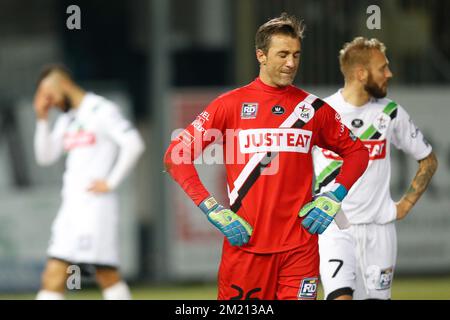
[
  {"x": 358, "y": 52},
  {"x": 284, "y": 24}
]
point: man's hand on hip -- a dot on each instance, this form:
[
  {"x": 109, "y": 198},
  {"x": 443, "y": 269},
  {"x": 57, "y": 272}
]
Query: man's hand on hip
[
  {"x": 321, "y": 211},
  {"x": 236, "y": 229},
  {"x": 99, "y": 186}
]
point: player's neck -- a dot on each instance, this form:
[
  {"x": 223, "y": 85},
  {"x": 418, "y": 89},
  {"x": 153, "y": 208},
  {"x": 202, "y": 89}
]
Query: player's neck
[
  {"x": 265, "y": 79},
  {"x": 355, "y": 95}
]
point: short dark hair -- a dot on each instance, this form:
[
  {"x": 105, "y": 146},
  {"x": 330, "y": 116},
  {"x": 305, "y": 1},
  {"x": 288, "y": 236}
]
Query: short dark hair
[
  {"x": 53, "y": 67},
  {"x": 284, "y": 24}
]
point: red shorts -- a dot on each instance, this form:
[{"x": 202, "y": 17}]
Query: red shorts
[{"x": 288, "y": 275}]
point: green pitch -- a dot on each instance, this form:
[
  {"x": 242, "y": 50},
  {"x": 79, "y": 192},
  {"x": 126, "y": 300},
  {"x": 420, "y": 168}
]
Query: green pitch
[{"x": 403, "y": 289}]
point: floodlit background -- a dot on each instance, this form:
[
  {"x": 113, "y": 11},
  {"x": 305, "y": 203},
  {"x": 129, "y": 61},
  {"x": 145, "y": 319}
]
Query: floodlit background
[{"x": 163, "y": 61}]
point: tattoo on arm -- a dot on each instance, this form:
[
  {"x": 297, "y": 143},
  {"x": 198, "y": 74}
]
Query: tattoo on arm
[{"x": 427, "y": 168}]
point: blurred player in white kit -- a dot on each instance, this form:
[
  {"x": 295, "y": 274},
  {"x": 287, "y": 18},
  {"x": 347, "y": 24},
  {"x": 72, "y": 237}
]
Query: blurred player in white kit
[
  {"x": 101, "y": 147},
  {"x": 359, "y": 262}
]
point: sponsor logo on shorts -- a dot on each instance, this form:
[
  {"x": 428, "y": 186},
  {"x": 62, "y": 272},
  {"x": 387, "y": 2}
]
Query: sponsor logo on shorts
[
  {"x": 386, "y": 278},
  {"x": 249, "y": 110},
  {"x": 308, "y": 288},
  {"x": 379, "y": 279}
]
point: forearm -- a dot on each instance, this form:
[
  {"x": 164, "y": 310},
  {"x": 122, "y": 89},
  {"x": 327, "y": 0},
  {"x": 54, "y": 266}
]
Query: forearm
[
  {"x": 185, "y": 174},
  {"x": 426, "y": 170},
  {"x": 354, "y": 165},
  {"x": 130, "y": 152}
]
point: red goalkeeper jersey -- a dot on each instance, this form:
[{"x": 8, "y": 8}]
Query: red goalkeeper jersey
[{"x": 267, "y": 135}]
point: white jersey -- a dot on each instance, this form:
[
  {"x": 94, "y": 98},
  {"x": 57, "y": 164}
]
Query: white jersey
[
  {"x": 91, "y": 136},
  {"x": 378, "y": 123},
  {"x": 100, "y": 145}
]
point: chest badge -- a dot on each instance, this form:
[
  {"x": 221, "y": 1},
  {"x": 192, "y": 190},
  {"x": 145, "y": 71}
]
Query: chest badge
[
  {"x": 278, "y": 110},
  {"x": 382, "y": 122},
  {"x": 357, "y": 123},
  {"x": 249, "y": 110},
  {"x": 304, "y": 111}
]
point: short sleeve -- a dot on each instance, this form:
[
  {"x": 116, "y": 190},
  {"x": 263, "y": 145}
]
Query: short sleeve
[{"x": 408, "y": 137}]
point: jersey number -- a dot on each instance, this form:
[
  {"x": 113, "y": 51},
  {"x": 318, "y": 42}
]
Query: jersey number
[
  {"x": 248, "y": 296},
  {"x": 340, "y": 264}
]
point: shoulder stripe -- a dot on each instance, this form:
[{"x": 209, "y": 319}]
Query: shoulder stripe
[
  {"x": 390, "y": 109},
  {"x": 371, "y": 133},
  {"x": 375, "y": 136},
  {"x": 317, "y": 104},
  {"x": 393, "y": 114}
]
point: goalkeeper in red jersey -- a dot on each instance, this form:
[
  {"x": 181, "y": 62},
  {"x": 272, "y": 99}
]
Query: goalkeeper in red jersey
[{"x": 268, "y": 128}]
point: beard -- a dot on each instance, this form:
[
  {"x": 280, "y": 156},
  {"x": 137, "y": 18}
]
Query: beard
[{"x": 374, "y": 89}]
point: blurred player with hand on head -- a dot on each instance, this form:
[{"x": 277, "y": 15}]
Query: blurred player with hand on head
[
  {"x": 359, "y": 262},
  {"x": 101, "y": 147},
  {"x": 268, "y": 128}
]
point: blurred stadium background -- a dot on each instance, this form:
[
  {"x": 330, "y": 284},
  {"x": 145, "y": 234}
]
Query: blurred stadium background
[{"x": 162, "y": 61}]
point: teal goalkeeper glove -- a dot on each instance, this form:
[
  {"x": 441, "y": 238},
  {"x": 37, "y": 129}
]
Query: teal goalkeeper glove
[
  {"x": 321, "y": 211},
  {"x": 236, "y": 229}
]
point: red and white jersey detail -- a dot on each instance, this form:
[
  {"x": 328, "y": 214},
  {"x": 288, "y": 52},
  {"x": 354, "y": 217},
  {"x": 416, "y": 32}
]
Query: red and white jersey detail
[
  {"x": 369, "y": 200},
  {"x": 272, "y": 132}
]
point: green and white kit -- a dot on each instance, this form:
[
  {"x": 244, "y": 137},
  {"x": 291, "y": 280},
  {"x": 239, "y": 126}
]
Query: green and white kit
[{"x": 369, "y": 246}]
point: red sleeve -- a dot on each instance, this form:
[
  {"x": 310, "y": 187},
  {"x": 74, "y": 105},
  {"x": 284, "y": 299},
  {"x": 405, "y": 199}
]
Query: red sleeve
[
  {"x": 207, "y": 128},
  {"x": 335, "y": 136}
]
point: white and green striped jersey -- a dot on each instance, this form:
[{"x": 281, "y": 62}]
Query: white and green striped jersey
[{"x": 378, "y": 123}]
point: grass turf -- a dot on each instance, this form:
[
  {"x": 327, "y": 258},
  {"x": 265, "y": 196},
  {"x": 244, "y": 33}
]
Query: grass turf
[{"x": 403, "y": 289}]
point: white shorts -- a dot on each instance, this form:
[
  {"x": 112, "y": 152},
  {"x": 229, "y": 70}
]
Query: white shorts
[
  {"x": 85, "y": 230},
  {"x": 361, "y": 258}
]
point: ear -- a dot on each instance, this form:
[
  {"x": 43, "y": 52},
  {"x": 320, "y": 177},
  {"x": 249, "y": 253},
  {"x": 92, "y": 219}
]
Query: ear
[
  {"x": 361, "y": 74},
  {"x": 261, "y": 56}
]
